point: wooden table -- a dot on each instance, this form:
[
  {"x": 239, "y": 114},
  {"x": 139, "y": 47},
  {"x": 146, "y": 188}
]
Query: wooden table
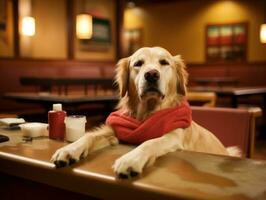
[
  {"x": 233, "y": 92},
  {"x": 218, "y": 81},
  {"x": 178, "y": 175},
  {"x": 46, "y": 100},
  {"x": 46, "y": 83}
]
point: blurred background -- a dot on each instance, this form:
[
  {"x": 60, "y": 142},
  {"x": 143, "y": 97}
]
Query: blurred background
[{"x": 55, "y": 49}]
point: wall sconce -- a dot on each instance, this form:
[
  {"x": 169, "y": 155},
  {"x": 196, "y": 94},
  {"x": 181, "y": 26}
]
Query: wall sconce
[
  {"x": 28, "y": 26},
  {"x": 84, "y": 26},
  {"x": 263, "y": 33}
]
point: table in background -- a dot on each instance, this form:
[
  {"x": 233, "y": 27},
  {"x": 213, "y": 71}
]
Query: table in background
[
  {"x": 217, "y": 81},
  {"x": 177, "y": 175},
  {"x": 46, "y": 100},
  {"x": 233, "y": 92},
  {"x": 45, "y": 84}
]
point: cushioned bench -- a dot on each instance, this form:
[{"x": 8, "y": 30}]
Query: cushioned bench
[{"x": 234, "y": 127}]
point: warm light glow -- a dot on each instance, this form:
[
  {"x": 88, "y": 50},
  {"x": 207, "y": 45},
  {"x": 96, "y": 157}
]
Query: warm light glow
[
  {"x": 84, "y": 26},
  {"x": 263, "y": 33},
  {"x": 133, "y": 18},
  {"x": 28, "y": 26}
]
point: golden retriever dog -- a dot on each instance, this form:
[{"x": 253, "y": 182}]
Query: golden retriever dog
[{"x": 150, "y": 81}]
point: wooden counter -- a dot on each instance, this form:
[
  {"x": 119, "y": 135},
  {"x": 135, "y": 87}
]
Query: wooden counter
[{"x": 174, "y": 176}]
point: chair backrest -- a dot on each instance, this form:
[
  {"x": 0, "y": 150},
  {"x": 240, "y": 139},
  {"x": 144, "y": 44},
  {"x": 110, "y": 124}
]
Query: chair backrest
[
  {"x": 207, "y": 99},
  {"x": 231, "y": 126}
]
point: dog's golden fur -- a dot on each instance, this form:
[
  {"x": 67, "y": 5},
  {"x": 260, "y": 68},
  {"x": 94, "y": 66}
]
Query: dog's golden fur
[
  {"x": 137, "y": 100},
  {"x": 130, "y": 101}
]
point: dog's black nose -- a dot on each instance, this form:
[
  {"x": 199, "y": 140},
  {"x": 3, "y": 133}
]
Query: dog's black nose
[{"x": 152, "y": 76}]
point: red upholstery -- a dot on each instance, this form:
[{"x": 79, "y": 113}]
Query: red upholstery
[{"x": 231, "y": 126}]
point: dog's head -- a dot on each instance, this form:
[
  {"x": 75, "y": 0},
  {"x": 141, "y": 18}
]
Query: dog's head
[{"x": 151, "y": 73}]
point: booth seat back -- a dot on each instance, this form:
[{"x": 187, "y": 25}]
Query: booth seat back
[{"x": 231, "y": 126}]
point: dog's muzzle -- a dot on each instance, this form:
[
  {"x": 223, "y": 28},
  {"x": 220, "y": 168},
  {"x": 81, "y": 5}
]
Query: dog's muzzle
[{"x": 151, "y": 87}]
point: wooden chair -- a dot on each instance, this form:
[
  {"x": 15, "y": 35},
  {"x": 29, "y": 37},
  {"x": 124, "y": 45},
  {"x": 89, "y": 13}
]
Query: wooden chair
[
  {"x": 206, "y": 99},
  {"x": 233, "y": 127}
]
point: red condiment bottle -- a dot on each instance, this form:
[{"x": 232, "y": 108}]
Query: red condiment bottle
[{"x": 56, "y": 121}]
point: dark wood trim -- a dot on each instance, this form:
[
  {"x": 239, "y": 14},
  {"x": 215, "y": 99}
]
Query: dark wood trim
[
  {"x": 235, "y": 64},
  {"x": 9, "y": 59},
  {"x": 99, "y": 62},
  {"x": 53, "y": 63},
  {"x": 28, "y": 59},
  {"x": 120, "y": 7},
  {"x": 16, "y": 28},
  {"x": 71, "y": 24}
]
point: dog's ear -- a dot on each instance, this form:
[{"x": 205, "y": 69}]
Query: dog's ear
[
  {"x": 122, "y": 76},
  {"x": 182, "y": 75}
]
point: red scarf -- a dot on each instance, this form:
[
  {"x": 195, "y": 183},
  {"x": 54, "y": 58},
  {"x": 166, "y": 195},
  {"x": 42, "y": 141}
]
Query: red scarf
[{"x": 130, "y": 130}]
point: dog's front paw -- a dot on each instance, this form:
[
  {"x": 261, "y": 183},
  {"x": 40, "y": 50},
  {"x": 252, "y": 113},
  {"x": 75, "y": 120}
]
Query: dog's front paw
[
  {"x": 69, "y": 154},
  {"x": 130, "y": 165}
]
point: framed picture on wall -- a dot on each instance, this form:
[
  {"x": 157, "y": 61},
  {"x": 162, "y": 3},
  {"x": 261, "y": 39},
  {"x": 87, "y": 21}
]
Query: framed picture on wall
[
  {"x": 226, "y": 42},
  {"x": 101, "y": 36}
]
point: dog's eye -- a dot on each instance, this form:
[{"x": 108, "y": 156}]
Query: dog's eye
[
  {"x": 138, "y": 63},
  {"x": 163, "y": 62}
]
